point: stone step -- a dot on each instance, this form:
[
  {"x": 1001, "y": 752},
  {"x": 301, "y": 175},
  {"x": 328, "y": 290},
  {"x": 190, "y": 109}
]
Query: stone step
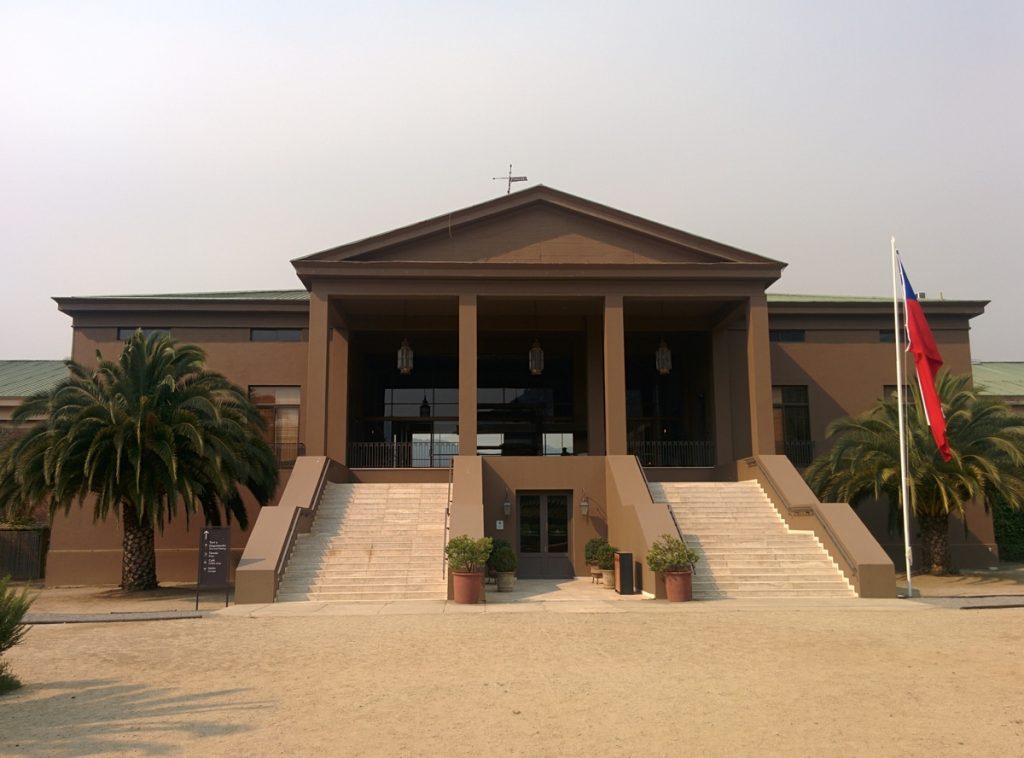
[
  {"x": 763, "y": 584},
  {"x": 772, "y": 594},
  {"x": 767, "y": 562},
  {"x": 363, "y": 596}
]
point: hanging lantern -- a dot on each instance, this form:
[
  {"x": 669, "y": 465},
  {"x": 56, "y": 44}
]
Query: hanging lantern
[
  {"x": 405, "y": 357},
  {"x": 663, "y": 358},
  {"x": 536, "y": 359},
  {"x": 424, "y": 408}
]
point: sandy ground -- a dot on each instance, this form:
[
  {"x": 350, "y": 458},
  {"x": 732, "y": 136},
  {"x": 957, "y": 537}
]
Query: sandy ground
[{"x": 552, "y": 674}]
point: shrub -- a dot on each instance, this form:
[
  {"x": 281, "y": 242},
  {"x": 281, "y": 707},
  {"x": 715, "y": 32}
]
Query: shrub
[
  {"x": 1009, "y": 526},
  {"x": 13, "y": 606},
  {"x": 605, "y": 556},
  {"x": 592, "y": 547},
  {"x": 497, "y": 545},
  {"x": 467, "y": 555},
  {"x": 670, "y": 553},
  {"x": 504, "y": 558}
]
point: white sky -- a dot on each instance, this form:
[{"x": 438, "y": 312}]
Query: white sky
[{"x": 200, "y": 146}]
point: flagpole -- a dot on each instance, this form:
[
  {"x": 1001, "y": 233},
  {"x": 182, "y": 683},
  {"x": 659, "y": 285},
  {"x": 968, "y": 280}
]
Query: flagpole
[{"x": 902, "y": 420}]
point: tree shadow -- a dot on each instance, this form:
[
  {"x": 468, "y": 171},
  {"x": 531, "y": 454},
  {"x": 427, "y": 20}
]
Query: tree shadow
[{"x": 106, "y": 716}]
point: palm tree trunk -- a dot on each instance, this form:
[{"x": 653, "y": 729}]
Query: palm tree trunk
[
  {"x": 935, "y": 543},
  {"x": 138, "y": 558}
]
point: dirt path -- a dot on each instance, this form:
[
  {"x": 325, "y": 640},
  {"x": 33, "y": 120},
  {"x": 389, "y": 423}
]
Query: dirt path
[{"x": 718, "y": 681}]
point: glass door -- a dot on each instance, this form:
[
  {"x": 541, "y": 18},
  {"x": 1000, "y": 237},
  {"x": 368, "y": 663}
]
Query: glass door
[{"x": 544, "y": 535}]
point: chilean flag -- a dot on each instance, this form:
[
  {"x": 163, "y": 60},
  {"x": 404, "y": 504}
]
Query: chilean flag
[{"x": 927, "y": 361}]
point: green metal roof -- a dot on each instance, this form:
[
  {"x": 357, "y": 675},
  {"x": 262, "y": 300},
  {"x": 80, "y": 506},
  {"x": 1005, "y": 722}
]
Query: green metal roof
[
  {"x": 1005, "y": 379},
  {"x": 23, "y": 378}
]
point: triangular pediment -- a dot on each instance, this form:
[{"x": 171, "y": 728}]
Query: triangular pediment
[{"x": 536, "y": 226}]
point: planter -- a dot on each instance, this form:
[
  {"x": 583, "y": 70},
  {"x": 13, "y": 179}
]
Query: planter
[
  {"x": 506, "y": 580},
  {"x": 678, "y": 586},
  {"x": 608, "y": 576},
  {"x": 467, "y": 588}
]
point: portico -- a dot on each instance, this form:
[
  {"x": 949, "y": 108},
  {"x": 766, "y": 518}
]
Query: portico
[{"x": 593, "y": 291}]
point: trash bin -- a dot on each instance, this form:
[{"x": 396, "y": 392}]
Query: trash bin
[{"x": 624, "y": 573}]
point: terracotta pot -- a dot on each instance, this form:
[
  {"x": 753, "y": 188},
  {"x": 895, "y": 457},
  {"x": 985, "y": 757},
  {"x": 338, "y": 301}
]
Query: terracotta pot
[
  {"x": 467, "y": 588},
  {"x": 679, "y": 586},
  {"x": 608, "y": 576},
  {"x": 506, "y": 580}
]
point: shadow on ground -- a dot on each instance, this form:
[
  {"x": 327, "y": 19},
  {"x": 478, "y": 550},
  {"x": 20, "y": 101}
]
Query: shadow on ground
[{"x": 111, "y": 717}]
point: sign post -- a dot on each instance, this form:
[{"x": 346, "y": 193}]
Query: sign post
[{"x": 214, "y": 560}]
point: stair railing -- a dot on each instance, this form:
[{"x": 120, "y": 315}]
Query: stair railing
[{"x": 447, "y": 516}]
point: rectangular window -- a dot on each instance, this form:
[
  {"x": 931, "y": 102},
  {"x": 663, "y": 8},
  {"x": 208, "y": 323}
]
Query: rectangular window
[
  {"x": 279, "y": 407},
  {"x": 125, "y": 333},
  {"x": 792, "y": 416},
  {"x": 787, "y": 335},
  {"x": 275, "y": 335}
]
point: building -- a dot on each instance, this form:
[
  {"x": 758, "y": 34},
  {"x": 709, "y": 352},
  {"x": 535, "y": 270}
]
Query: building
[{"x": 526, "y": 349}]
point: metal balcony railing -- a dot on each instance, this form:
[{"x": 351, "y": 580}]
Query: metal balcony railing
[
  {"x": 401, "y": 454},
  {"x": 674, "y": 453},
  {"x": 799, "y": 452},
  {"x": 287, "y": 452}
]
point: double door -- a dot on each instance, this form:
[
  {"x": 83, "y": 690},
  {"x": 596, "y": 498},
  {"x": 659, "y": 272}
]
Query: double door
[{"x": 544, "y": 535}]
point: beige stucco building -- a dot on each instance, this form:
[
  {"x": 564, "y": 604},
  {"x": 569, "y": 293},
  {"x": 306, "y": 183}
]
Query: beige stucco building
[{"x": 540, "y": 351}]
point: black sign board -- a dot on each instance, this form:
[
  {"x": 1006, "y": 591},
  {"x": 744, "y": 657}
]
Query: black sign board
[{"x": 214, "y": 560}]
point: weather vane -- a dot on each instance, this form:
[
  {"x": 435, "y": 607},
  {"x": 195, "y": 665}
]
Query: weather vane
[{"x": 509, "y": 179}]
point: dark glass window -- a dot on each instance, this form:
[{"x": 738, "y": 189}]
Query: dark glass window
[
  {"x": 787, "y": 335},
  {"x": 275, "y": 335},
  {"x": 279, "y": 407},
  {"x": 125, "y": 333},
  {"x": 886, "y": 335},
  {"x": 792, "y": 415}
]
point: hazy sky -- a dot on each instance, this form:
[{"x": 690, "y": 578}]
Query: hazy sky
[{"x": 182, "y": 146}]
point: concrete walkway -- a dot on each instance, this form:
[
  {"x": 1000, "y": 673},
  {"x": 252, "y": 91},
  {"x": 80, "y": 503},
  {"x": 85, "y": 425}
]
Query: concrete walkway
[
  {"x": 1002, "y": 587},
  {"x": 556, "y": 596}
]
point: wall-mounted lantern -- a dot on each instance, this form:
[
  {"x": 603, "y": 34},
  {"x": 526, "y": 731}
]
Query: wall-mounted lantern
[
  {"x": 584, "y": 505},
  {"x": 507, "y": 505}
]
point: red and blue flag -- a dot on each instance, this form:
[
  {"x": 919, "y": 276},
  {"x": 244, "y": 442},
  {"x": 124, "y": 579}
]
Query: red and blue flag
[{"x": 927, "y": 361}]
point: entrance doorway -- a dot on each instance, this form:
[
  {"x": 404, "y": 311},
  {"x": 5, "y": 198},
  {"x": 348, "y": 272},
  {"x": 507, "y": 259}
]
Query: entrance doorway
[{"x": 544, "y": 535}]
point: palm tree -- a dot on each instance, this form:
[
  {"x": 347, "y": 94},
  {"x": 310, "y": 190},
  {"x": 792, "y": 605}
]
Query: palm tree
[
  {"x": 987, "y": 441},
  {"x": 141, "y": 437}
]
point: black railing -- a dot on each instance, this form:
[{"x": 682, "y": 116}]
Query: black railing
[
  {"x": 401, "y": 454},
  {"x": 287, "y": 452},
  {"x": 674, "y": 453},
  {"x": 799, "y": 452}
]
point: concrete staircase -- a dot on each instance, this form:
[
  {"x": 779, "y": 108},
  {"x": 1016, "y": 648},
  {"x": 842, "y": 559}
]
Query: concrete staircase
[
  {"x": 371, "y": 542},
  {"x": 747, "y": 550}
]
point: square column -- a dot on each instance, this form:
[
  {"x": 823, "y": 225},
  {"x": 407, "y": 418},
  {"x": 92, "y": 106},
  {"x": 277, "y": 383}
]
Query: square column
[
  {"x": 614, "y": 376},
  {"x": 337, "y": 395},
  {"x": 722, "y": 395},
  {"x": 595, "y": 387},
  {"x": 313, "y": 415},
  {"x": 467, "y": 374},
  {"x": 759, "y": 377}
]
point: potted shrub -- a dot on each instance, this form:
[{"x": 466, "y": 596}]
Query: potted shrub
[
  {"x": 504, "y": 562},
  {"x": 606, "y": 562},
  {"x": 590, "y": 556},
  {"x": 674, "y": 559},
  {"x": 466, "y": 560},
  {"x": 497, "y": 543}
]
